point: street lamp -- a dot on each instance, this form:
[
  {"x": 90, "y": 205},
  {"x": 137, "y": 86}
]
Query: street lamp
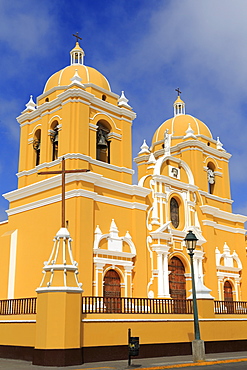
[{"x": 198, "y": 349}]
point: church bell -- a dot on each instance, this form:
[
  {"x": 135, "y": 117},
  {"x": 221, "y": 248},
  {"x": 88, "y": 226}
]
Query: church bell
[{"x": 102, "y": 143}]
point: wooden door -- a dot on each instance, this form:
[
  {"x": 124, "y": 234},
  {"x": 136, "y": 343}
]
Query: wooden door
[
  {"x": 228, "y": 297},
  {"x": 112, "y": 291},
  {"x": 177, "y": 284}
]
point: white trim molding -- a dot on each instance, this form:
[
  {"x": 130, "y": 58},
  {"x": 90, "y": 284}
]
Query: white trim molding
[
  {"x": 223, "y": 227},
  {"x": 215, "y": 197},
  {"x": 218, "y": 213}
]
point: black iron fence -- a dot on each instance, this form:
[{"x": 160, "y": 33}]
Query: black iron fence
[
  {"x": 136, "y": 305},
  {"x": 230, "y": 307},
  {"x": 21, "y": 306}
]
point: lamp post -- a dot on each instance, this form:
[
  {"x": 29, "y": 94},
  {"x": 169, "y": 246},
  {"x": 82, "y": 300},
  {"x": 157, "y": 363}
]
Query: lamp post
[{"x": 198, "y": 349}]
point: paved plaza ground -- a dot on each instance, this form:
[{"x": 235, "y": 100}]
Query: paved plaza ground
[{"x": 226, "y": 361}]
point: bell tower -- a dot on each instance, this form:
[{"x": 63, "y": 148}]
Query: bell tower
[{"x": 79, "y": 118}]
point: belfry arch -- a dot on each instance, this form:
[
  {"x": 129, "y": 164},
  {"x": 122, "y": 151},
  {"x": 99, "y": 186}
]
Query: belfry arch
[
  {"x": 102, "y": 142},
  {"x": 54, "y": 139}
]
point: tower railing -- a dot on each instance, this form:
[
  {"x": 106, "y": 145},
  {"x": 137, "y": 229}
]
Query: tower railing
[
  {"x": 136, "y": 305},
  {"x": 21, "y": 306},
  {"x": 230, "y": 307}
]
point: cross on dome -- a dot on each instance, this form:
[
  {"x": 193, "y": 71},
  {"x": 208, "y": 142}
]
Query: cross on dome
[
  {"x": 77, "y": 53},
  {"x": 179, "y": 105},
  {"x": 77, "y": 37}
]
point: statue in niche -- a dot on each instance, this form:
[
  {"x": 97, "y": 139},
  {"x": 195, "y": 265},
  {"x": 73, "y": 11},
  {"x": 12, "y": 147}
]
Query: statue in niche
[{"x": 167, "y": 142}]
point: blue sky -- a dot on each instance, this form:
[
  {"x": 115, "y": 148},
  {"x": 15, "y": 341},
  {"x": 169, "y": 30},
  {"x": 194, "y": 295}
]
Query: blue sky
[{"x": 146, "y": 48}]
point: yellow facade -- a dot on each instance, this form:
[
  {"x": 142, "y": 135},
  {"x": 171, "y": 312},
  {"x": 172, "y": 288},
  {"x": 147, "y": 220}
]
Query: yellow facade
[{"x": 132, "y": 234}]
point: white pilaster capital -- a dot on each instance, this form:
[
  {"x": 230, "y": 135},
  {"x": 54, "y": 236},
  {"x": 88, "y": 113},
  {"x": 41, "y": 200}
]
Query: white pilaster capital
[
  {"x": 99, "y": 266},
  {"x": 128, "y": 269},
  {"x": 160, "y": 248}
]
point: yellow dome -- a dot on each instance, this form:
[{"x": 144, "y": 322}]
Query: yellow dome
[
  {"x": 178, "y": 125},
  {"x": 87, "y": 74}
]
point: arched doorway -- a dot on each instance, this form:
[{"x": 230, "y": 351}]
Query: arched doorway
[
  {"x": 228, "y": 297},
  {"x": 177, "y": 284},
  {"x": 112, "y": 291}
]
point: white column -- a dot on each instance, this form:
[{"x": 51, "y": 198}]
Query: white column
[
  {"x": 12, "y": 264},
  {"x": 166, "y": 275},
  {"x": 198, "y": 257},
  {"x": 99, "y": 279},
  {"x": 237, "y": 285},
  {"x": 128, "y": 281},
  {"x": 155, "y": 218},
  {"x": 162, "y": 264},
  {"x": 220, "y": 288},
  {"x": 160, "y": 274},
  {"x": 161, "y": 204}
]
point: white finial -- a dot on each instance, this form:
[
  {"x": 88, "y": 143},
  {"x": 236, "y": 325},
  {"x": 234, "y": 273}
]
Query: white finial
[
  {"x": 115, "y": 243},
  {"x": 219, "y": 145},
  {"x": 76, "y": 79},
  {"x": 226, "y": 249},
  {"x": 127, "y": 235},
  {"x": 144, "y": 148},
  {"x": 98, "y": 231},
  {"x": 123, "y": 101},
  {"x": 151, "y": 159},
  {"x": 97, "y": 236},
  {"x": 31, "y": 105},
  {"x": 113, "y": 229},
  {"x": 189, "y": 133}
]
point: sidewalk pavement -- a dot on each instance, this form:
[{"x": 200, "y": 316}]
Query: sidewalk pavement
[{"x": 144, "y": 363}]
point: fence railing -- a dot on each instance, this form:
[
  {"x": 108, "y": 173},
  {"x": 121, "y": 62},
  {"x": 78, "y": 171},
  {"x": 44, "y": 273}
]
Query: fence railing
[
  {"x": 21, "y": 306},
  {"x": 230, "y": 307},
  {"x": 136, "y": 305}
]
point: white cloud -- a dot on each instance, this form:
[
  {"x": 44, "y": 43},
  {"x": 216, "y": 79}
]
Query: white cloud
[{"x": 25, "y": 28}]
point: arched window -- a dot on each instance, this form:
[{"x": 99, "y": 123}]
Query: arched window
[
  {"x": 210, "y": 177},
  {"x": 54, "y": 140},
  {"x": 174, "y": 212},
  {"x": 112, "y": 291},
  {"x": 36, "y": 146},
  {"x": 102, "y": 143}
]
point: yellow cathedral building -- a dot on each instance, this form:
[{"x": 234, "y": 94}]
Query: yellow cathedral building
[{"x": 119, "y": 239}]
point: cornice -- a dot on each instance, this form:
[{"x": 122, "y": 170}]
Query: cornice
[
  {"x": 199, "y": 144},
  {"x": 87, "y": 98},
  {"x": 215, "y": 197},
  {"x": 194, "y": 145},
  {"x": 217, "y": 226},
  {"x": 175, "y": 183},
  {"x": 106, "y": 252},
  {"x": 59, "y": 289},
  {"x": 218, "y": 213},
  {"x": 144, "y": 158},
  {"x": 101, "y": 89},
  {"x": 91, "y": 177},
  {"x": 71, "y": 194},
  {"x": 75, "y": 156},
  {"x": 65, "y": 87},
  {"x": 228, "y": 268},
  {"x": 113, "y": 261}
]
